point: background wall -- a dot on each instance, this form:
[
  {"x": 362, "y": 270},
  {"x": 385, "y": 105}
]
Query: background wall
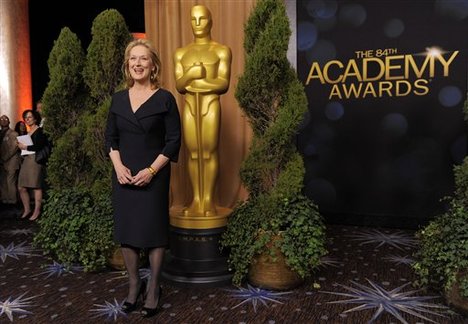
[
  {"x": 45, "y": 26},
  {"x": 168, "y": 25},
  {"x": 15, "y": 67}
]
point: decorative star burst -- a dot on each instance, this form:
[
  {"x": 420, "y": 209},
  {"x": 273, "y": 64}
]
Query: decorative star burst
[
  {"x": 19, "y": 231},
  {"x": 13, "y": 251},
  {"x": 256, "y": 295},
  {"x": 396, "y": 239},
  {"x": 393, "y": 302},
  {"x": 327, "y": 261},
  {"x": 399, "y": 259},
  {"x": 110, "y": 310},
  {"x": 16, "y": 305},
  {"x": 59, "y": 269}
]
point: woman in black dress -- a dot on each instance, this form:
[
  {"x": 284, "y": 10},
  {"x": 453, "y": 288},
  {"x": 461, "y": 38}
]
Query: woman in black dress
[{"x": 142, "y": 136}]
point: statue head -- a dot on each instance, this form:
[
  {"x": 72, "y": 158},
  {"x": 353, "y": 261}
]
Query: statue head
[{"x": 201, "y": 21}]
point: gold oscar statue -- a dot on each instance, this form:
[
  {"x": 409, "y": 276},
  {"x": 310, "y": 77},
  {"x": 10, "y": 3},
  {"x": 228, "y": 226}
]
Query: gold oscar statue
[{"x": 202, "y": 73}]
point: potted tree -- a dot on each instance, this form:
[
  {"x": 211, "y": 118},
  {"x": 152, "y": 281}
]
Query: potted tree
[
  {"x": 442, "y": 260},
  {"x": 76, "y": 224},
  {"x": 277, "y": 222}
]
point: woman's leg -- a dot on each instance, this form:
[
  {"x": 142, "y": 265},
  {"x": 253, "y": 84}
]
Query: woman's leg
[
  {"x": 37, "y": 204},
  {"x": 156, "y": 256},
  {"x": 24, "y": 196},
  {"x": 131, "y": 257}
]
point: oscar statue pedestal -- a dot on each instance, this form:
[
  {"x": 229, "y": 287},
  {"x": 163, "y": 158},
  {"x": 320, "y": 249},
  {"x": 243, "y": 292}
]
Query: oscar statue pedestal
[{"x": 195, "y": 257}]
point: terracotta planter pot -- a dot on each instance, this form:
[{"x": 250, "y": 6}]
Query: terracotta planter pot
[
  {"x": 454, "y": 297},
  {"x": 273, "y": 273},
  {"x": 116, "y": 260}
]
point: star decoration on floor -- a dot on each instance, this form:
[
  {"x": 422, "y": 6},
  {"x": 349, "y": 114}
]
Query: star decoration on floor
[
  {"x": 327, "y": 261},
  {"x": 109, "y": 310},
  {"x": 13, "y": 251},
  {"x": 396, "y": 239},
  {"x": 17, "y": 305},
  {"x": 19, "y": 231},
  {"x": 394, "y": 302},
  {"x": 257, "y": 295},
  {"x": 399, "y": 259},
  {"x": 58, "y": 269}
]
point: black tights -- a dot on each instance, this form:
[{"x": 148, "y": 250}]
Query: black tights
[{"x": 131, "y": 257}]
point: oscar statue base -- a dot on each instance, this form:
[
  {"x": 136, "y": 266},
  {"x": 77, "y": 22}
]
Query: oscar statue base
[{"x": 195, "y": 258}]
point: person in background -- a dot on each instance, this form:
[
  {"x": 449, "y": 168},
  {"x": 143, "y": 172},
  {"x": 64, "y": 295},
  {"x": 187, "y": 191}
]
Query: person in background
[
  {"x": 20, "y": 128},
  {"x": 142, "y": 136},
  {"x": 39, "y": 110},
  {"x": 31, "y": 175},
  {"x": 9, "y": 162}
]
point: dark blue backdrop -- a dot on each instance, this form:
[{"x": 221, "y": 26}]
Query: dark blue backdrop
[{"x": 382, "y": 158}]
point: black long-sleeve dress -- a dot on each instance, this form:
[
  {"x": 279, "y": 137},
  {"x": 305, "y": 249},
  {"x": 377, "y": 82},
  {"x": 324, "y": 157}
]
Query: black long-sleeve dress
[{"x": 141, "y": 214}]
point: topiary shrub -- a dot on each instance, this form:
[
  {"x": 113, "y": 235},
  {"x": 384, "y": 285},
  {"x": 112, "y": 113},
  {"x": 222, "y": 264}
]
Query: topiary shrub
[
  {"x": 102, "y": 72},
  {"x": 442, "y": 259},
  {"x": 274, "y": 101},
  {"x": 76, "y": 224},
  {"x": 65, "y": 95}
]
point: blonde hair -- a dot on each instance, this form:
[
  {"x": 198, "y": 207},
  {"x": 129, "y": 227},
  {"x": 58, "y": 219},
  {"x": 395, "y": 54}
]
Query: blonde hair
[{"x": 155, "y": 74}]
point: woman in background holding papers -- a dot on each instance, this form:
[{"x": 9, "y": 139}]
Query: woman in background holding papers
[{"x": 31, "y": 175}]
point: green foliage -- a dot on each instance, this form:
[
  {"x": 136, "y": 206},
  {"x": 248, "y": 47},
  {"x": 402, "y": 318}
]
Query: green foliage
[
  {"x": 102, "y": 72},
  {"x": 68, "y": 165},
  {"x": 461, "y": 181},
  {"x": 76, "y": 224},
  {"x": 443, "y": 256},
  {"x": 65, "y": 95},
  {"x": 101, "y": 169},
  {"x": 274, "y": 101},
  {"x": 77, "y": 227},
  {"x": 444, "y": 249}
]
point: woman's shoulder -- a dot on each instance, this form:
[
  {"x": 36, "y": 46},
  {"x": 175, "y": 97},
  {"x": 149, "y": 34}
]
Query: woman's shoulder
[
  {"x": 119, "y": 99},
  {"x": 120, "y": 94},
  {"x": 166, "y": 94},
  {"x": 39, "y": 132}
]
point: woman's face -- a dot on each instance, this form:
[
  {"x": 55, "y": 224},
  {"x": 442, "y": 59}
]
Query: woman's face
[
  {"x": 22, "y": 127},
  {"x": 140, "y": 64},
  {"x": 29, "y": 119}
]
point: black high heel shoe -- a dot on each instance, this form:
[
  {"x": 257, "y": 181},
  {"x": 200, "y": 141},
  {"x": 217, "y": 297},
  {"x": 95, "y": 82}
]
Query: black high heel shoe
[
  {"x": 147, "y": 312},
  {"x": 130, "y": 307}
]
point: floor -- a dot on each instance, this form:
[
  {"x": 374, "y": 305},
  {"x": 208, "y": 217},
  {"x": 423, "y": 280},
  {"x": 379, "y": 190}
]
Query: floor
[{"x": 366, "y": 277}]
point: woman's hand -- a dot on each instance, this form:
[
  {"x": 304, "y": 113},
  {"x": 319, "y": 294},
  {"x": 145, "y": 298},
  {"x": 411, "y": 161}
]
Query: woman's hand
[
  {"x": 142, "y": 178},
  {"x": 124, "y": 176},
  {"x": 21, "y": 146}
]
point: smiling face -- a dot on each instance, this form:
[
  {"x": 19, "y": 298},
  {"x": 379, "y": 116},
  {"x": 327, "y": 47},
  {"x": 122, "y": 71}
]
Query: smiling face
[
  {"x": 140, "y": 64},
  {"x": 201, "y": 21},
  {"x": 29, "y": 119}
]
